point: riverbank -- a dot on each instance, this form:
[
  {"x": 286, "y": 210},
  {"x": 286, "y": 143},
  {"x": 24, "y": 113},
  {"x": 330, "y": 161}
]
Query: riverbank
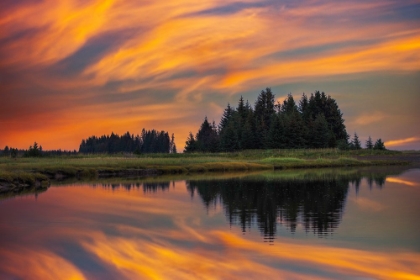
[{"x": 20, "y": 173}]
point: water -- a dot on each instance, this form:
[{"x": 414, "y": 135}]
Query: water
[{"x": 317, "y": 224}]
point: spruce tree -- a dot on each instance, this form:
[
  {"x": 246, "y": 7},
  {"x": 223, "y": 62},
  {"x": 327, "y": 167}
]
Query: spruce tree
[
  {"x": 369, "y": 144},
  {"x": 357, "y": 145},
  {"x": 190, "y": 144},
  {"x": 289, "y": 105},
  {"x": 6, "y": 151},
  {"x": 276, "y": 137},
  {"x": 248, "y": 132},
  {"x": 172, "y": 145},
  {"x": 207, "y": 138},
  {"x": 295, "y": 131},
  {"x": 264, "y": 109},
  {"x": 226, "y": 117},
  {"x": 379, "y": 145},
  {"x": 303, "y": 108},
  {"x": 229, "y": 142},
  {"x": 320, "y": 133}
]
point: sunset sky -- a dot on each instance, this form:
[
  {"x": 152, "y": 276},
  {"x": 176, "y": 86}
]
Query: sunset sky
[{"x": 70, "y": 69}]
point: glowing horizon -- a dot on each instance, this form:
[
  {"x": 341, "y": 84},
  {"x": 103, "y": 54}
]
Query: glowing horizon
[{"x": 70, "y": 70}]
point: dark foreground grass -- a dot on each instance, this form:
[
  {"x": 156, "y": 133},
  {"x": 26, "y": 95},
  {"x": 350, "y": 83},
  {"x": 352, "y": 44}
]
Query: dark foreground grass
[{"x": 29, "y": 170}]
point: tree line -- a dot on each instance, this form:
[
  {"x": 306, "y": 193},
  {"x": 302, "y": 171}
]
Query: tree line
[
  {"x": 34, "y": 150},
  {"x": 149, "y": 141},
  {"x": 313, "y": 122}
]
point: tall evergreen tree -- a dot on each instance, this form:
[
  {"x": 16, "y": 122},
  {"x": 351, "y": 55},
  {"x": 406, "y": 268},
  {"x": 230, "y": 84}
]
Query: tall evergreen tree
[
  {"x": 369, "y": 144},
  {"x": 264, "y": 109},
  {"x": 303, "y": 108},
  {"x": 357, "y": 145},
  {"x": 289, "y": 105},
  {"x": 172, "y": 145},
  {"x": 207, "y": 138},
  {"x": 226, "y": 117},
  {"x": 6, "y": 151},
  {"x": 276, "y": 136},
  {"x": 320, "y": 132},
  {"x": 379, "y": 145},
  {"x": 295, "y": 131},
  {"x": 229, "y": 142},
  {"x": 248, "y": 139},
  {"x": 190, "y": 144}
]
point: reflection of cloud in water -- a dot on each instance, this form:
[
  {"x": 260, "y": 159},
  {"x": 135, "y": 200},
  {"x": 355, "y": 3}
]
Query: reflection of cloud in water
[
  {"x": 132, "y": 234},
  {"x": 22, "y": 263},
  {"x": 368, "y": 204},
  {"x": 402, "y": 181},
  {"x": 230, "y": 256}
]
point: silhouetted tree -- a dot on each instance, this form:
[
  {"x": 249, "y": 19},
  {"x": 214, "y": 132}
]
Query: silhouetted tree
[
  {"x": 150, "y": 141},
  {"x": 369, "y": 144},
  {"x": 190, "y": 144},
  {"x": 264, "y": 109},
  {"x": 6, "y": 151},
  {"x": 379, "y": 145},
  {"x": 172, "y": 145},
  {"x": 34, "y": 151},
  {"x": 357, "y": 145},
  {"x": 207, "y": 137},
  {"x": 276, "y": 135},
  {"x": 13, "y": 152},
  {"x": 315, "y": 123},
  {"x": 320, "y": 132}
]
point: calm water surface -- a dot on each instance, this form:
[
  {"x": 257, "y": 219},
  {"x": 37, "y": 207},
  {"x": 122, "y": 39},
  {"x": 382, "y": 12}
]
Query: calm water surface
[{"x": 318, "y": 224}]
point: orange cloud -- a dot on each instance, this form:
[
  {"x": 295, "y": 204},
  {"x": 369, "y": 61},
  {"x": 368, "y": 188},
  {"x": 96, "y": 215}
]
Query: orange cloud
[
  {"x": 401, "y": 142},
  {"x": 401, "y": 181},
  {"x": 38, "y": 264},
  {"x": 366, "y": 119},
  {"x": 341, "y": 259},
  {"x": 183, "y": 250},
  {"x": 368, "y": 204},
  {"x": 209, "y": 48}
]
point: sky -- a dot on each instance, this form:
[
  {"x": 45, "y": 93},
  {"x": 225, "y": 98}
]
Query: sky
[{"x": 71, "y": 69}]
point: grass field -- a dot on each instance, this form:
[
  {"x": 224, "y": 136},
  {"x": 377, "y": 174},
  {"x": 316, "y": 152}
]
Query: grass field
[{"x": 79, "y": 166}]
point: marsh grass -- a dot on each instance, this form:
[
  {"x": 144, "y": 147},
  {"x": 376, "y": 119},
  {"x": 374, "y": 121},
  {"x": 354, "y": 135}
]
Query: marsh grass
[{"x": 85, "y": 166}]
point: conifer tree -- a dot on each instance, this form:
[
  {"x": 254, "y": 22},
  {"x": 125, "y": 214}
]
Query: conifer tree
[
  {"x": 289, "y": 105},
  {"x": 264, "y": 109},
  {"x": 6, "y": 151},
  {"x": 248, "y": 132},
  {"x": 276, "y": 137},
  {"x": 369, "y": 144},
  {"x": 207, "y": 138},
  {"x": 190, "y": 144},
  {"x": 295, "y": 131},
  {"x": 303, "y": 108},
  {"x": 226, "y": 117},
  {"x": 172, "y": 145},
  {"x": 357, "y": 145},
  {"x": 229, "y": 142},
  {"x": 379, "y": 145},
  {"x": 320, "y": 132}
]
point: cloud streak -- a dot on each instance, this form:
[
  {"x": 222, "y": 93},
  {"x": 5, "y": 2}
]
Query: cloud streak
[{"x": 64, "y": 56}]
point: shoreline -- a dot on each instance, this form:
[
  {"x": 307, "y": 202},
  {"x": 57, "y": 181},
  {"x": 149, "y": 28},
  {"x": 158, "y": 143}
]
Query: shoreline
[{"x": 37, "y": 173}]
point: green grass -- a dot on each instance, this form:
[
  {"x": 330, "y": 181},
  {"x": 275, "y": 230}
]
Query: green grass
[{"x": 84, "y": 166}]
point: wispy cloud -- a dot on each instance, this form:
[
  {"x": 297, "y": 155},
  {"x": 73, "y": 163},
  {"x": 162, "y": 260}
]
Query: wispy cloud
[
  {"x": 401, "y": 142},
  {"x": 366, "y": 119},
  {"x": 63, "y": 55}
]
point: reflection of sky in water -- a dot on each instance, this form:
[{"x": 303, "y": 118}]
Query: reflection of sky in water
[{"x": 112, "y": 233}]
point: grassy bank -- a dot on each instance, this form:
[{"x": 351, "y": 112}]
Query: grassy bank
[{"x": 84, "y": 166}]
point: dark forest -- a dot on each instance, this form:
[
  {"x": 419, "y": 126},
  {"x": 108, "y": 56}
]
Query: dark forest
[{"x": 313, "y": 122}]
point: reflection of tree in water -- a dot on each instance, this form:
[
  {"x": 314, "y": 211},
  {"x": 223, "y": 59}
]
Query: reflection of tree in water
[
  {"x": 316, "y": 203},
  {"x": 149, "y": 187}
]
